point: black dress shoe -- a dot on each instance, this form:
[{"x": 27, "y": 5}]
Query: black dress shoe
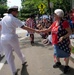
[
  {"x": 16, "y": 73},
  {"x": 24, "y": 64}
]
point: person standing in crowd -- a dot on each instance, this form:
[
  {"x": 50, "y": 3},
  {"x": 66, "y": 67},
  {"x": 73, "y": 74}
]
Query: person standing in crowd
[
  {"x": 71, "y": 20},
  {"x": 60, "y": 31},
  {"x": 9, "y": 38},
  {"x": 30, "y": 22},
  {"x": 72, "y": 15}
]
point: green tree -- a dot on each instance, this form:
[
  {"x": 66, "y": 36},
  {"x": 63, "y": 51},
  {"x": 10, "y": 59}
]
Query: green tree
[
  {"x": 63, "y": 4},
  {"x": 3, "y": 2},
  {"x": 31, "y": 6},
  {"x": 3, "y": 7}
]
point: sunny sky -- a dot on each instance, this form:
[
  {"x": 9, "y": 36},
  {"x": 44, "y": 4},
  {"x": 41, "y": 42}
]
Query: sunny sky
[{"x": 13, "y": 3}]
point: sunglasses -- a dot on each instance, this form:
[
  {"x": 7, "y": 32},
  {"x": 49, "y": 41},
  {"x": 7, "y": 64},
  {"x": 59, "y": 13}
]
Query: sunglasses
[{"x": 16, "y": 11}]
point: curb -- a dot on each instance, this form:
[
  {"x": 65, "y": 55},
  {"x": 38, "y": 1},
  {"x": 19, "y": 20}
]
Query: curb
[{"x": 72, "y": 55}]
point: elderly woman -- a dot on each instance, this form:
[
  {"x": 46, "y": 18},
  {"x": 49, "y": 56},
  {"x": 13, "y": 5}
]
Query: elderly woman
[{"x": 60, "y": 31}]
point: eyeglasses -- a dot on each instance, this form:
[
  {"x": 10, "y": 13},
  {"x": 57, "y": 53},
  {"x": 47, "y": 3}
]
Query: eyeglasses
[{"x": 16, "y": 11}]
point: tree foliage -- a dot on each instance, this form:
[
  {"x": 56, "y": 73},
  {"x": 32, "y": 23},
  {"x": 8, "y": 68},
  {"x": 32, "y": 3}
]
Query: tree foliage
[
  {"x": 31, "y": 6},
  {"x": 3, "y": 2},
  {"x": 62, "y": 4},
  {"x": 3, "y": 7}
]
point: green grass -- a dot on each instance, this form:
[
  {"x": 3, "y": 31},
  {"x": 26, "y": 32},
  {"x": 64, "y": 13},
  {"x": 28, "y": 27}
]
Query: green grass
[{"x": 72, "y": 49}]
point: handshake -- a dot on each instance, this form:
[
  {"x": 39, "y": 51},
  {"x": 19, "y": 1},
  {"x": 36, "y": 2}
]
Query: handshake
[
  {"x": 42, "y": 31},
  {"x": 37, "y": 31}
]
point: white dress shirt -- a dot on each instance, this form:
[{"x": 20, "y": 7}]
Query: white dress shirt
[{"x": 9, "y": 24}]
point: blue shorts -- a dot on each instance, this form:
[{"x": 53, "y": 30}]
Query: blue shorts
[{"x": 60, "y": 53}]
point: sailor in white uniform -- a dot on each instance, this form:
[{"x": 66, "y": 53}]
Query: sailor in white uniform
[
  {"x": 9, "y": 38},
  {"x": 1, "y": 49}
]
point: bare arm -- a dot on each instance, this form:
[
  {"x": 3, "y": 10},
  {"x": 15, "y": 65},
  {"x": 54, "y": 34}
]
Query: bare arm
[
  {"x": 45, "y": 30},
  {"x": 28, "y": 28},
  {"x": 69, "y": 32},
  {"x": 67, "y": 35}
]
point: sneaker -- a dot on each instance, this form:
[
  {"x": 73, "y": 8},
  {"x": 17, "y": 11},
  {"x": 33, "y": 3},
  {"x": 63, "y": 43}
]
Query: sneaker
[
  {"x": 66, "y": 69},
  {"x": 56, "y": 65}
]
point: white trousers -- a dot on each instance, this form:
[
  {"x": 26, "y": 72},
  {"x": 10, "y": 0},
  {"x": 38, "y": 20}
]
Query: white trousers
[
  {"x": 10, "y": 42},
  {"x": 1, "y": 49}
]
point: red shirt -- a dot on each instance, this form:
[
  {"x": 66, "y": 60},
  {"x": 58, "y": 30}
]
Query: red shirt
[{"x": 54, "y": 31}]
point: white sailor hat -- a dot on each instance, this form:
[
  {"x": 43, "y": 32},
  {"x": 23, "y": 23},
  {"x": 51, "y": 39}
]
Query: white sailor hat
[{"x": 13, "y": 7}]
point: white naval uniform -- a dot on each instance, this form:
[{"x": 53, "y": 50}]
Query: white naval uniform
[
  {"x": 1, "y": 50},
  {"x": 9, "y": 39}
]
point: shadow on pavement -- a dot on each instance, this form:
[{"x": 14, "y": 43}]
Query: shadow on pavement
[
  {"x": 1, "y": 57},
  {"x": 24, "y": 70},
  {"x": 38, "y": 44},
  {"x": 71, "y": 71},
  {"x": 27, "y": 44}
]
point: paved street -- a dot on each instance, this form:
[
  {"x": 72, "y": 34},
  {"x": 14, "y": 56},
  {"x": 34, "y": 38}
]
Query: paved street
[{"x": 39, "y": 58}]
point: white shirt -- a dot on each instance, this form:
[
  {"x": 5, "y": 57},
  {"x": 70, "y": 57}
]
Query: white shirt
[
  {"x": 9, "y": 24},
  {"x": 0, "y": 28}
]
